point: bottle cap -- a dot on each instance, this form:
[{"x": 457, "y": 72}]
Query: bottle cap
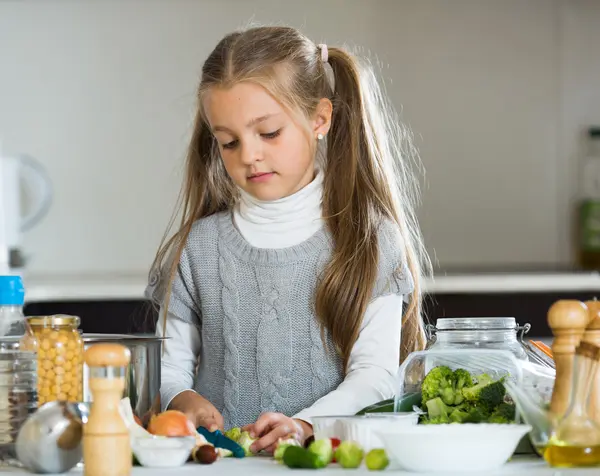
[{"x": 12, "y": 292}]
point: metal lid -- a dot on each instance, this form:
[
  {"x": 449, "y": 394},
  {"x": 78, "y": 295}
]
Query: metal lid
[
  {"x": 58, "y": 320},
  {"x": 475, "y": 323},
  {"x": 122, "y": 338}
]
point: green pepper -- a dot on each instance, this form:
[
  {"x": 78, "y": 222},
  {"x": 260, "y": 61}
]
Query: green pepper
[
  {"x": 298, "y": 457},
  {"x": 405, "y": 404}
]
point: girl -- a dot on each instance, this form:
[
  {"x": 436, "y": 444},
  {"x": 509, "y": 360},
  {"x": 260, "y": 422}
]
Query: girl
[{"x": 282, "y": 291}]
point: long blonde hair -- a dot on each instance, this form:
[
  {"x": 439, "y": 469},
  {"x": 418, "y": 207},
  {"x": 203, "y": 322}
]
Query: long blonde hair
[{"x": 367, "y": 171}]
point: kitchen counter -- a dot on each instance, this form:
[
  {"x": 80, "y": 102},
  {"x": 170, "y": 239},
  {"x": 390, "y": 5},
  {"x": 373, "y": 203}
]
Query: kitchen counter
[
  {"x": 266, "y": 466},
  {"x": 131, "y": 287}
]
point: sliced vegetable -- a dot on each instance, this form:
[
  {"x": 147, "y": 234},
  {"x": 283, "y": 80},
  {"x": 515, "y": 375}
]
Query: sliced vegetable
[
  {"x": 376, "y": 460},
  {"x": 349, "y": 454},
  {"x": 298, "y": 457},
  {"x": 323, "y": 449}
]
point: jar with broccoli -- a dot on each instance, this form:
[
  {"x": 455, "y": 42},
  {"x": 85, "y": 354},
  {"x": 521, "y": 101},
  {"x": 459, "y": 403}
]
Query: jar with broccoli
[{"x": 500, "y": 333}]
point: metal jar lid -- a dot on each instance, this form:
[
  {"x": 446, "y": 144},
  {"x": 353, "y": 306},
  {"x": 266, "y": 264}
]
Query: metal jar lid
[
  {"x": 56, "y": 320},
  {"x": 475, "y": 323}
]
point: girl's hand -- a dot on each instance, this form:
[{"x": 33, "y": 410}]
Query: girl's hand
[
  {"x": 271, "y": 427},
  {"x": 198, "y": 410}
]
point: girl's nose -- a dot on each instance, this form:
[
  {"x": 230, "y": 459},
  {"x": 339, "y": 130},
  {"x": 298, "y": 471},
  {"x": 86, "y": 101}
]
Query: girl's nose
[{"x": 251, "y": 152}]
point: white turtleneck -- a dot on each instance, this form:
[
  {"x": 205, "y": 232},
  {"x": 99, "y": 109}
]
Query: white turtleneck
[{"x": 374, "y": 358}]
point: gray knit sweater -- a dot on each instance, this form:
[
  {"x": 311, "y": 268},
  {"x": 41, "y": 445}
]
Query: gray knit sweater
[{"x": 262, "y": 347}]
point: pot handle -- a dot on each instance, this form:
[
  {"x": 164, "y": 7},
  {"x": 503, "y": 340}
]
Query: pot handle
[{"x": 41, "y": 186}]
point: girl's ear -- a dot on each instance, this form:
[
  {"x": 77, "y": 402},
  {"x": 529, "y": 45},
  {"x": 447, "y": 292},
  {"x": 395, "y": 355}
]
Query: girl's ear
[{"x": 322, "y": 117}]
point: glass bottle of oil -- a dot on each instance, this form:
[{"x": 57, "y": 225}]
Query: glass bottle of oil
[
  {"x": 576, "y": 440},
  {"x": 588, "y": 227}
]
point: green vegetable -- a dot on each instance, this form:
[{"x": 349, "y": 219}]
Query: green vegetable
[
  {"x": 492, "y": 395},
  {"x": 349, "y": 455},
  {"x": 436, "y": 408},
  {"x": 458, "y": 397},
  {"x": 471, "y": 394},
  {"x": 282, "y": 446},
  {"x": 234, "y": 434},
  {"x": 323, "y": 449},
  {"x": 442, "y": 382},
  {"x": 298, "y": 457},
  {"x": 245, "y": 441},
  {"x": 504, "y": 413},
  {"x": 384, "y": 406},
  {"x": 376, "y": 460}
]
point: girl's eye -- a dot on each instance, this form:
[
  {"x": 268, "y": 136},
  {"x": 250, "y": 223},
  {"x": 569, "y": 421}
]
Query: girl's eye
[
  {"x": 230, "y": 145},
  {"x": 271, "y": 135}
]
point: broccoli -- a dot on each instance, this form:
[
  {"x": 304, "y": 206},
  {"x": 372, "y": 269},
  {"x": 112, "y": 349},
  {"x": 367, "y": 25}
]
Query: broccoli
[
  {"x": 471, "y": 393},
  {"x": 493, "y": 394},
  {"x": 436, "y": 408},
  {"x": 503, "y": 413},
  {"x": 438, "y": 382},
  {"x": 245, "y": 441},
  {"x": 440, "y": 420},
  {"x": 462, "y": 379},
  {"x": 442, "y": 382},
  {"x": 476, "y": 415}
]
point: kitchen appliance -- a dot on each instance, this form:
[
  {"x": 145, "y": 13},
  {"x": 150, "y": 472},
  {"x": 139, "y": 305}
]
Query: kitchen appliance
[
  {"x": 25, "y": 198},
  {"x": 142, "y": 380}
]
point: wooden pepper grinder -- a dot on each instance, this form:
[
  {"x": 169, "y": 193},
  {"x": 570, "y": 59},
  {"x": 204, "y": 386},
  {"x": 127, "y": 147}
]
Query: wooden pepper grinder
[
  {"x": 568, "y": 320},
  {"x": 106, "y": 444},
  {"x": 592, "y": 336}
]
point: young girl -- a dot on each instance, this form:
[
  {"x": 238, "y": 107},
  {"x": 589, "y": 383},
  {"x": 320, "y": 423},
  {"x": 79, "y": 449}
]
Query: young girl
[{"x": 282, "y": 291}]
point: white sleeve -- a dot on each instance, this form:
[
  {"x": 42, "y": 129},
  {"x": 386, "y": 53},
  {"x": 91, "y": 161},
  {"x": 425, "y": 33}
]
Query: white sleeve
[
  {"x": 372, "y": 366},
  {"x": 180, "y": 357}
]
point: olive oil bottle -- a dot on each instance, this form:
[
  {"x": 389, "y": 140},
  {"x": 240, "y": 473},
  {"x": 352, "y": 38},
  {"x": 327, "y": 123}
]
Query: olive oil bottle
[{"x": 576, "y": 440}]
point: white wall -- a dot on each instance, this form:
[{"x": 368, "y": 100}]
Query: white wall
[{"x": 496, "y": 91}]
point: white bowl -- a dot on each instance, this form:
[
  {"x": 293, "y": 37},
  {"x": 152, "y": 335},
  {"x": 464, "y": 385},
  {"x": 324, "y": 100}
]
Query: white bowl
[
  {"x": 360, "y": 429},
  {"x": 453, "y": 447},
  {"x": 163, "y": 451}
]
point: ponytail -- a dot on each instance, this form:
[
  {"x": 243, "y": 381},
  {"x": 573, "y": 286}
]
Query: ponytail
[{"x": 362, "y": 187}]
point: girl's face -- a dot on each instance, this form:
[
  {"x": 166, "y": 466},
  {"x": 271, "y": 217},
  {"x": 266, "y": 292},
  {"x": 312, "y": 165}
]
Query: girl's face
[{"x": 265, "y": 152}]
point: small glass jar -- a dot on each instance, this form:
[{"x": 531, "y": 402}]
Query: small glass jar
[
  {"x": 60, "y": 358},
  {"x": 500, "y": 333}
]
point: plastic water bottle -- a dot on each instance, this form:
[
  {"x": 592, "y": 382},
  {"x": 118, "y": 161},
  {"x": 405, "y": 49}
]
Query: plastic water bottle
[
  {"x": 12, "y": 299},
  {"x": 18, "y": 367}
]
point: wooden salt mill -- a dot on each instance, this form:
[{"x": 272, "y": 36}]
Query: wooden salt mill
[
  {"x": 106, "y": 444},
  {"x": 568, "y": 320},
  {"x": 592, "y": 335}
]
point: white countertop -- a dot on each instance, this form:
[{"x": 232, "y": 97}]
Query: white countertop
[
  {"x": 116, "y": 287},
  {"x": 265, "y": 466}
]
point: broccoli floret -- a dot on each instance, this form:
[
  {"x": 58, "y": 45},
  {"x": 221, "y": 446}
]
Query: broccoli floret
[
  {"x": 458, "y": 416},
  {"x": 438, "y": 383},
  {"x": 436, "y": 408},
  {"x": 442, "y": 382},
  {"x": 439, "y": 420},
  {"x": 493, "y": 394},
  {"x": 462, "y": 379},
  {"x": 503, "y": 413},
  {"x": 245, "y": 441},
  {"x": 471, "y": 393},
  {"x": 476, "y": 415}
]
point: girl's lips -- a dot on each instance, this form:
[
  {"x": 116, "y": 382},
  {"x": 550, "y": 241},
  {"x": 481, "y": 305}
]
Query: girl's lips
[{"x": 261, "y": 177}]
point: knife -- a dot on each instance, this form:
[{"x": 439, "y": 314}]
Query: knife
[{"x": 219, "y": 440}]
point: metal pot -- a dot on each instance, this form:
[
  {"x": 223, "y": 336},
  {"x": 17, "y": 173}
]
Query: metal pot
[{"x": 142, "y": 381}]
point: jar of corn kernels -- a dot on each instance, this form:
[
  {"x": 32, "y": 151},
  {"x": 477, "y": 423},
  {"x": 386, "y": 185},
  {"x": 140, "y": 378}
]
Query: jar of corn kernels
[{"x": 60, "y": 358}]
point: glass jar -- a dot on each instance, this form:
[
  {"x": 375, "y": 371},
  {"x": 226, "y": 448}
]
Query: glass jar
[
  {"x": 60, "y": 358},
  {"x": 500, "y": 333}
]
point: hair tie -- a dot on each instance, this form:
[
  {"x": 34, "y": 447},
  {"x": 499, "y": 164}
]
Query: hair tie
[{"x": 324, "y": 52}]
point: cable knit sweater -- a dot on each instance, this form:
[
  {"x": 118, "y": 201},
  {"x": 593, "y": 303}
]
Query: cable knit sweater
[{"x": 260, "y": 345}]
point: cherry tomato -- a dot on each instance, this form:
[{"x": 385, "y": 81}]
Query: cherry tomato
[{"x": 335, "y": 442}]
